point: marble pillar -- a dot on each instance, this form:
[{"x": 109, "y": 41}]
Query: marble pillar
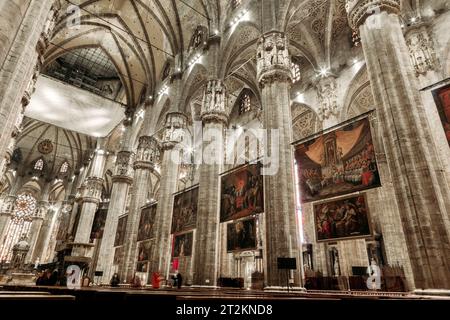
[
  {"x": 121, "y": 182},
  {"x": 147, "y": 157},
  {"x": 173, "y": 134},
  {"x": 35, "y": 231},
  {"x": 214, "y": 118},
  {"x": 282, "y": 228},
  {"x": 420, "y": 184}
]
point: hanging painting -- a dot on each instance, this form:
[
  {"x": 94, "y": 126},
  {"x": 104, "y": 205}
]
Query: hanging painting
[
  {"x": 241, "y": 193},
  {"x": 118, "y": 256},
  {"x": 146, "y": 222},
  {"x": 241, "y": 235},
  {"x": 99, "y": 223},
  {"x": 182, "y": 245},
  {"x": 342, "y": 219},
  {"x": 339, "y": 162},
  {"x": 144, "y": 251},
  {"x": 185, "y": 211},
  {"x": 120, "y": 234},
  {"x": 442, "y": 98}
]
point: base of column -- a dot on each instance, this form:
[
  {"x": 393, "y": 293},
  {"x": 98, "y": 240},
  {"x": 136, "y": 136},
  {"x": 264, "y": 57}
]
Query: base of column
[
  {"x": 432, "y": 292},
  {"x": 283, "y": 289}
]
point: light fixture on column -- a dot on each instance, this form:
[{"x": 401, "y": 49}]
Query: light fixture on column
[{"x": 323, "y": 72}]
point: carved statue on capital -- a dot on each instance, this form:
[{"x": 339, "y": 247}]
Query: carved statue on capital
[
  {"x": 148, "y": 150},
  {"x": 176, "y": 123},
  {"x": 41, "y": 210},
  {"x": 8, "y": 205},
  {"x": 214, "y": 104},
  {"x": 123, "y": 163},
  {"x": 359, "y": 10},
  {"x": 93, "y": 188},
  {"x": 327, "y": 96},
  {"x": 273, "y": 60},
  {"x": 421, "y": 49}
]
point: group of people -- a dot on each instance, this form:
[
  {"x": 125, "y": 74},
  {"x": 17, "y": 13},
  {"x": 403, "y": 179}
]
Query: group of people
[
  {"x": 361, "y": 168},
  {"x": 156, "y": 280},
  {"x": 47, "y": 278}
]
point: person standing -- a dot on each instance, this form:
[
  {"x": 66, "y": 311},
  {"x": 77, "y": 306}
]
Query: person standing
[{"x": 179, "y": 280}]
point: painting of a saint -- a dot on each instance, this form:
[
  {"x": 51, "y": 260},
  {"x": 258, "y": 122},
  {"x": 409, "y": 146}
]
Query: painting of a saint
[
  {"x": 141, "y": 266},
  {"x": 144, "y": 251},
  {"x": 442, "y": 98},
  {"x": 185, "y": 211},
  {"x": 182, "y": 245},
  {"x": 339, "y": 162},
  {"x": 118, "y": 255},
  {"x": 99, "y": 223},
  {"x": 241, "y": 235},
  {"x": 342, "y": 219},
  {"x": 120, "y": 234},
  {"x": 146, "y": 222},
  {"x": 241, "y": 193}
]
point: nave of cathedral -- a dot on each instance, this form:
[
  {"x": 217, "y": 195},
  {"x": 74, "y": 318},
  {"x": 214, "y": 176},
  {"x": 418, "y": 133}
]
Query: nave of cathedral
[{"x": 217, "y": 144}]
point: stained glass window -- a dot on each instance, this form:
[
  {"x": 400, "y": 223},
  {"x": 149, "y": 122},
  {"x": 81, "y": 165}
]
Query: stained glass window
[
  {"x": 64, "y": 167},
  {"x": 295, "y": 72},
  {"x": 18, "y": 225},
  {"x": 244, "y": 104},
  {"x": 39, "y": 165}
]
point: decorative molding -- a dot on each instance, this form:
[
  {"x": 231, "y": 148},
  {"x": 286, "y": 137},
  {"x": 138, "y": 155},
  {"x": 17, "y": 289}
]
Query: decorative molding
[
  {"x": 327, "y": 96},
  {"x": 420, "y": 46}
]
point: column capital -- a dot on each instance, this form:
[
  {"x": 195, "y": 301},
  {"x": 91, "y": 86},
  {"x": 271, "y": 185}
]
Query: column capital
[
  {"x": 273, "y": 60},
  {"x": 176, "y": 123},
  {"x": 214, "y": 104},
  {"x": 148, "y": 153},
  {"x": 122, "y": 166},
  {"x": 359, "y": 10},
  {"x": 8, "y": 205},
  {"x": 92, "y": 190}
]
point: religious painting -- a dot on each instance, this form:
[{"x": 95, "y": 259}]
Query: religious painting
[
  {"x": 120, "y": 234},
  {"x": 118, "y": 255},
  {"x": 241, "y": 235},
  {"x": 99, "y": 223},
  {"x": 241, "y": 193},
  {"x": 442, "y": 98},
  {"x": 182, "y": 245},
  {"x": 185, "y": 211},
  {"x": 146, "y": 222},
  {"x": 342, "y": 219},
  {"x": 142, "y": 266},
  {"x": 339, "y": 162},
  {"x": 144, "y": 251}
]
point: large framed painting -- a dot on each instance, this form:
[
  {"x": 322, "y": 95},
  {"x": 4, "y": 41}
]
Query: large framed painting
[
  {"x": 342, "y": 219},
  {"x": 99, "y": 223},
  {"x": 144, "y": 249},
  {"x": 146, "y": 222},
  {"x": 242, "y": 193},
  {"x": 182, "y": 245},
  {"x": 442, "y": 98},
  {"x": 241, "y": 235},
  {"x": 118, "y": 255},
  {"x": 185, "y": 210},
  {"x": 338, "y": 162},
  {"x": 120, "y": 233}
]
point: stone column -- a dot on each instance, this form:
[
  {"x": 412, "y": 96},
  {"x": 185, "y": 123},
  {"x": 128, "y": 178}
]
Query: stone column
[
  {"x": 420, "y": 184},
  {"x": 90, "y": 199},
  {"x": 173, "y": 134},
  {"x": 147, "y": 157},
  {"x": 214, "y": 117},
  {"x": 35, "y": 233},
  {"x": 282, "y": 231},
  {"x": 24, "y": 34},
  {"x": 6, "y": 213},
  {"x": 121, "y": 182}
]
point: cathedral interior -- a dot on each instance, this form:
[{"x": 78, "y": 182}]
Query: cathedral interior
[{"x": 248, "y": 144}]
